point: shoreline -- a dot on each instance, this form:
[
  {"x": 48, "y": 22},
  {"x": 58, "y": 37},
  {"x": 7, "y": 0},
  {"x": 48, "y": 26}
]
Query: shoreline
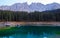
[{"x": 13, "y": 22}]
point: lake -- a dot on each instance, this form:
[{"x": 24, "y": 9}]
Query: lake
[{"x": 29, "y": 31}]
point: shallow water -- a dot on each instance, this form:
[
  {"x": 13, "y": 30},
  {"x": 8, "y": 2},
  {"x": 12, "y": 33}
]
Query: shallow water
[{"x": 36, "y": 32}]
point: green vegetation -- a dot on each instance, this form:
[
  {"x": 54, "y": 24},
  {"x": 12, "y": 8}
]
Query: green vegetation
[{"x": 53, "y": 15}]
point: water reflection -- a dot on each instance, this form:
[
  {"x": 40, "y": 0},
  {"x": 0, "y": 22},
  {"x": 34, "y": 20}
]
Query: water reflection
[
  {"x": 35, "y": 32},
  {"x": 44, "y": 35}
]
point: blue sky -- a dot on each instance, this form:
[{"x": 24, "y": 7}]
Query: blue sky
[{"x": 10, "y": 2}]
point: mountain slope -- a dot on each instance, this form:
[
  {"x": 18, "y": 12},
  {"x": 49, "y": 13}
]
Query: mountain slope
[{"x": 31, "y": 7}]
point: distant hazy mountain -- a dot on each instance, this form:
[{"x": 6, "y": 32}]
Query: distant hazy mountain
[{"x": 31, "y": 7}]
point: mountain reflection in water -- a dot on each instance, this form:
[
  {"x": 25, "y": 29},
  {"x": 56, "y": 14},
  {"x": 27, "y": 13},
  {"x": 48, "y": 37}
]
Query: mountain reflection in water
[{"x": 36, "y": 32}]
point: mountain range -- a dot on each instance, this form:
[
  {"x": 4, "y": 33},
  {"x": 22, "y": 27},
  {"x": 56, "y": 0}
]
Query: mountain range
[{"x": 32, "y": 7}]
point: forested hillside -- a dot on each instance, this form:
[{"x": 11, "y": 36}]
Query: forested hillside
[{"x": 53, "y": 15}]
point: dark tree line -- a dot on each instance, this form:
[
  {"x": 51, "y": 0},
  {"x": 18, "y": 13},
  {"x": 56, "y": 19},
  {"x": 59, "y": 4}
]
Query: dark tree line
[{"x": 53, "y": 15}]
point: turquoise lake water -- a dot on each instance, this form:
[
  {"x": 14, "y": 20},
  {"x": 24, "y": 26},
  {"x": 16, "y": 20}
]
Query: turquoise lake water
[{"x": 35, "y": 32}]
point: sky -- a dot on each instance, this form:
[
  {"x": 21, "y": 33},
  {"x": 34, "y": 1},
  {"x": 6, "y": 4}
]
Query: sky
[{"x": 10, "y": 2}]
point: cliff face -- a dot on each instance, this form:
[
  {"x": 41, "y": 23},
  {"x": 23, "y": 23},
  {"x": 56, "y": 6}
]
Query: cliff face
[{"x": 31, "y": 7}]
